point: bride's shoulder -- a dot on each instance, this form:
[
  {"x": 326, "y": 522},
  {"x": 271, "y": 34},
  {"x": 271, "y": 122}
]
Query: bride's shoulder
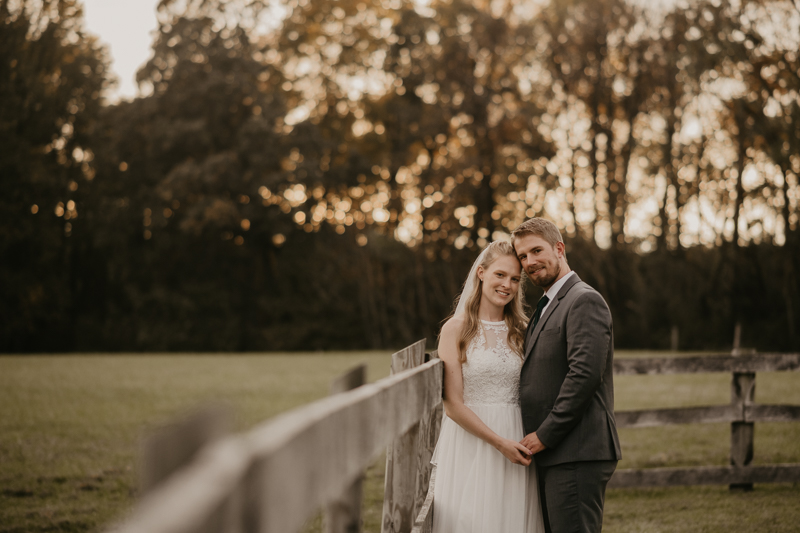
[
  {"x": 448, "y": 339},
  {"x": 453, "y": 325}
]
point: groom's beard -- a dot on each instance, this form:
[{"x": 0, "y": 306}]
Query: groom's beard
[{"x": 547, "y": 281}]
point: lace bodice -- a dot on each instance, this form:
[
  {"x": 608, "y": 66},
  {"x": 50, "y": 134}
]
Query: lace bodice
[{"x": 491, "y": 372}]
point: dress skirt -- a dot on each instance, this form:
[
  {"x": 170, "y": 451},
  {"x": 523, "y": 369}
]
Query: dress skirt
[{"x": 478, "y": 490}]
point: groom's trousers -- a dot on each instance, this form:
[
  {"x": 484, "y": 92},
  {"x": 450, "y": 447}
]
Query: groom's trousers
[{"x": 573, "y": 494}]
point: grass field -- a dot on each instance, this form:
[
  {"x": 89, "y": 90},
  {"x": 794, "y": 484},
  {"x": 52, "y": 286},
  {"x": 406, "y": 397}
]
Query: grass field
[{"x": 70, "y": 427}]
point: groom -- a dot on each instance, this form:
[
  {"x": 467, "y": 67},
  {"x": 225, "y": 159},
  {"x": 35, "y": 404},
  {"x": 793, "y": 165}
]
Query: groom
[{"x": 566, "y": 387}]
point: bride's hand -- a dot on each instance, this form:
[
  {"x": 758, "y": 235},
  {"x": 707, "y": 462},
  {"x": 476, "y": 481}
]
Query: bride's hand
[{"x": 515, "y": 452}]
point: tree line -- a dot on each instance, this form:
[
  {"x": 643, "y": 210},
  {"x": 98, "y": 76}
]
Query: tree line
[{"x": 307, "y": 175}]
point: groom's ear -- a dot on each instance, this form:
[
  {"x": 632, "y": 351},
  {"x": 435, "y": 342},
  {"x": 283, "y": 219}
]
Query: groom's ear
[{"x": 561, "y": 249}]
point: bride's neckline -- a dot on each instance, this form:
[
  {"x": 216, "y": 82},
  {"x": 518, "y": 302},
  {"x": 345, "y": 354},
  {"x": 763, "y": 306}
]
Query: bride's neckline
[{"x": 491, "y": 323}]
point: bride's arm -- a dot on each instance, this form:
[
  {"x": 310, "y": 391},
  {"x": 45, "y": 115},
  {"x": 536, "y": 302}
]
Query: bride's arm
[{"x": 454, "y": 399}]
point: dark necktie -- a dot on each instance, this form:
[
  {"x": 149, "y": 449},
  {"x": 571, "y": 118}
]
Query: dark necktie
[{"x": 538, "y": 314}]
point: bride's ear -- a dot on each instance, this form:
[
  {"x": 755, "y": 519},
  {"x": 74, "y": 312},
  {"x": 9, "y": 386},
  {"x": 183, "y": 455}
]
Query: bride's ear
[{"x": 480, "y": 272}]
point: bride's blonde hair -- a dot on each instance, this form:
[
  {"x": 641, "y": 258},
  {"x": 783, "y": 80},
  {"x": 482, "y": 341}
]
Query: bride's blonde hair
[{"x": 513, "y": 313}]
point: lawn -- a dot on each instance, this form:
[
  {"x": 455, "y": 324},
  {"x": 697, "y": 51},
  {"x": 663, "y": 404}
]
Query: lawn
[{"x": 70, "y": 428}]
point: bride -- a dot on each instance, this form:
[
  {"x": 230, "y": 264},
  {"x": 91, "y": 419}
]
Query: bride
[{"x": 485, "y": 482}]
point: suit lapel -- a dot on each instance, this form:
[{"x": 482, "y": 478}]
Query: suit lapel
[{"x": 549, "y": 311}]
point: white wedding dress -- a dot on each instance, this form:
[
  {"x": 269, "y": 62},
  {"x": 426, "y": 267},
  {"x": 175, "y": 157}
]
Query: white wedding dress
[{"x": 478, "y": 490}]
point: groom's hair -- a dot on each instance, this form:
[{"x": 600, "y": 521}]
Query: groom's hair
[{"x": 540, "y": 227}]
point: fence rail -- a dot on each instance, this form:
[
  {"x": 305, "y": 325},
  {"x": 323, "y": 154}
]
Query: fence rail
[
  {"x": 706, "y": 475},
  {"x": 741, "y": 413},
  {"x": 750, "y": 362}
]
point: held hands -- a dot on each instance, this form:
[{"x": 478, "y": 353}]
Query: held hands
[
  {"x": 532, "y": 442},
  {"x": 515, "y": 452}
]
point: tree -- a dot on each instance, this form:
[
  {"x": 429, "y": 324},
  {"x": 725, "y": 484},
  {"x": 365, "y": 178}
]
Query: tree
[{"x": 52, "y": 76}]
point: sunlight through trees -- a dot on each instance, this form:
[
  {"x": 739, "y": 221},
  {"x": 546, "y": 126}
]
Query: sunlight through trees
[{"x": 296, "y": 159}]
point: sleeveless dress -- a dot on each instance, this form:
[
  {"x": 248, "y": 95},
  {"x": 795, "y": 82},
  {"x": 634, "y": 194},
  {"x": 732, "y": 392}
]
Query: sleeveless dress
[{"x": 478, "y": 490}]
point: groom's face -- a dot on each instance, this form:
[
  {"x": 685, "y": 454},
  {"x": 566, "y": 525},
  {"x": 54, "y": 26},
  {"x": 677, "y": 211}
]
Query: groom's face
[{"x": 540, "y": 260}]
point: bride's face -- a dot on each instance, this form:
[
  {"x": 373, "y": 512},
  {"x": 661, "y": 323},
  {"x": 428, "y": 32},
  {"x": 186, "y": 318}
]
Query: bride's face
[{"x": 501, "y": 280}]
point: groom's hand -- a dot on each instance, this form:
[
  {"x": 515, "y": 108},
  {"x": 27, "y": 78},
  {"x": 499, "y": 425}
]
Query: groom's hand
[{"x": 532, "y": 442}]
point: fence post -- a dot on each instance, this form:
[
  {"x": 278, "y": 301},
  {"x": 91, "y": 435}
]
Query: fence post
[
  {"x": 343, "y": 515},
  {"x": 428, "y": 437},
  {"x": 401, "y": 486},
  {"x": 743, "y": 386},
  {"x": 169, "y": 448},
  {"x": 172, "y": 447}
]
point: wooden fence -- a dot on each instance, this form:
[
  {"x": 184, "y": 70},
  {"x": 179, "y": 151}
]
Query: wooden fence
[
  {"x": 273, "y": 478},
  {"x": 742, "y": 413}
]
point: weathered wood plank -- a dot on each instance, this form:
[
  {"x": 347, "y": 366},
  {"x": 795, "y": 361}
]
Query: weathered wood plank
[
  {"x": 423, "y": 509},
  {"x": 343, "y": 514},
  {"x": 424, "y": 521},
  {"x": 683, "y": 415},
  {"x": 409, "y": 357},
  {"x": 172, "y": 446},
  {"x": 705, "y": 475},
  {"x": 762, "y": 362},
  {"x": 428, "y": 437},
  {"x": 772, "y": 413},
  {"x": 335, "y": 440},
  {"x": 707, "y": 415},
  {"x": 743, "y": 388},
  {"x": 402, "y": 458}
]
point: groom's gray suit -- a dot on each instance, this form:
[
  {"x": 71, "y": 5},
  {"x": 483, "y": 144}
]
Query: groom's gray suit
[{"x": 567, "y": 398}]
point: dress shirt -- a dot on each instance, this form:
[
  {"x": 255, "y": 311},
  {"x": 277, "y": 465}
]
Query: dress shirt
[{"x": 552, "y": 291}]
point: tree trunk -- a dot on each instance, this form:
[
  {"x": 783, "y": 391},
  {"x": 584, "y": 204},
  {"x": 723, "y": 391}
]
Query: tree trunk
[
  {"x": 742, "y": 153},
  {"x": 621, "y": 200},
  {"x": 785, "y": 165},
  {"x": 669, "y": 172}
]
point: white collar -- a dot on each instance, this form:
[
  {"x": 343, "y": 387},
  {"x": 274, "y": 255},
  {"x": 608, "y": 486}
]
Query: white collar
[{"x": 553, "y": 291}]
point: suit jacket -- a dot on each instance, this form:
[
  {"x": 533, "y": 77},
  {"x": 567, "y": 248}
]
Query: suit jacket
[{"x": 567, "y": 383}]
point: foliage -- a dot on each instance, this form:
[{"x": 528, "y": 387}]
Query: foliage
[
  {"x": 314, "y": 175},
  {"x": 51, "y": 80}
]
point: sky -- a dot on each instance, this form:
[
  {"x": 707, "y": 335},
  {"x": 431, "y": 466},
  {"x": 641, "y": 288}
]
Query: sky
[{"x": 126, "y": 27}]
